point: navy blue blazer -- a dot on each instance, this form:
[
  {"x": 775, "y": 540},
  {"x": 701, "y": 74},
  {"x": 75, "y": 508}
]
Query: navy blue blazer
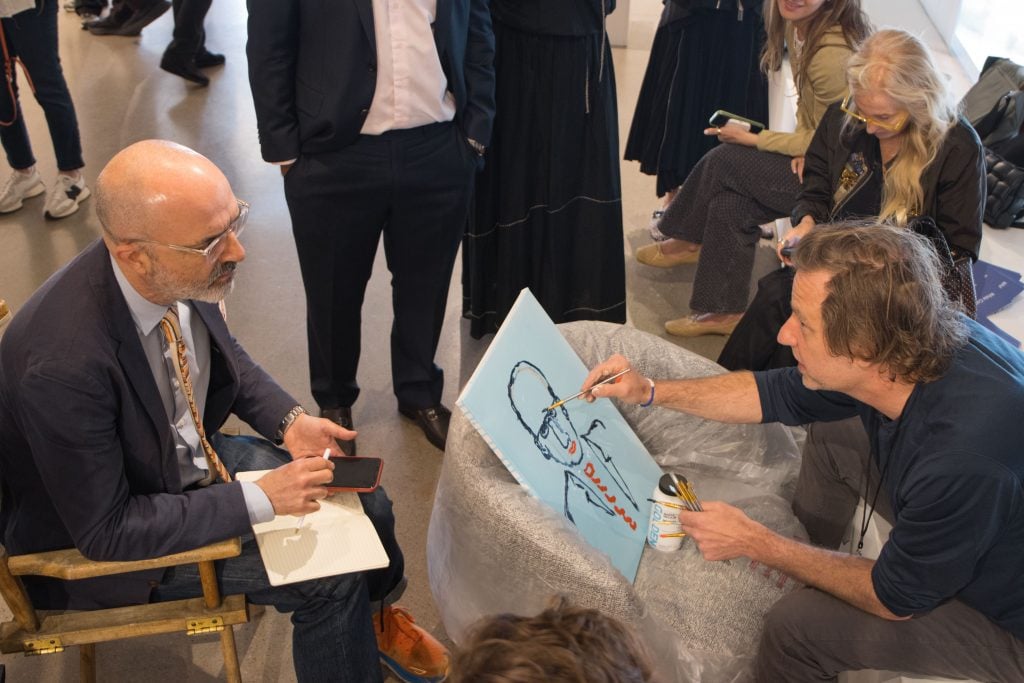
[
  {"x": 87, "y": 457},
  {"x": 313, "y": 70}
]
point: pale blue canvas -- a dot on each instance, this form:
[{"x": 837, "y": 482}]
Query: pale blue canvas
[{"x": 582, "y": 459}]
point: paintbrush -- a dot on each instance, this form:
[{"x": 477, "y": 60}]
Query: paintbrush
[
  {"x": 558, "y": 404},
  {"x": 687, "y": 494},
  {"x": 682, "y": 492}
]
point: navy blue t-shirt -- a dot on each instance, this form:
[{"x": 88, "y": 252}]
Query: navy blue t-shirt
[{"x": 953, "y": 466}]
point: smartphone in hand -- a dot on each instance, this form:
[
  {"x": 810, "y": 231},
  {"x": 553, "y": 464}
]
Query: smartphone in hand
[
  {"x": 355, "y": 474},
  {"x": 722, "y": 118}
]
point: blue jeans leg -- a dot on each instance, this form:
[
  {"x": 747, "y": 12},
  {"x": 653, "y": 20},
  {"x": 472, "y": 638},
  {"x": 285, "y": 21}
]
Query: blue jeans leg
[
  {"x": 333, "y": 637},
  {"x": 32, "y": 36}
]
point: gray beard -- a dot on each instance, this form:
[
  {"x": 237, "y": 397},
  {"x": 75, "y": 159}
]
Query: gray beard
[{"x": 169, "y": 290}]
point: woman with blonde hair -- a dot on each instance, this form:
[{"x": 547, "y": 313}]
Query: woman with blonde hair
[
  {"x": 714, "y": 218},
  {"x": 896, "y": 149}
]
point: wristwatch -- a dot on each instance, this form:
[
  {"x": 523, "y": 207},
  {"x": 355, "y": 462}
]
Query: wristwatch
[
  {"x": 286, "y": 422},
  {"x": 477, "y": 147}
]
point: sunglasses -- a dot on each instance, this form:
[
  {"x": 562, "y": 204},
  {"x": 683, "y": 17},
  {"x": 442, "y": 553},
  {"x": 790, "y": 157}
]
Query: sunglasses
[{"x": 894, "y": 125}]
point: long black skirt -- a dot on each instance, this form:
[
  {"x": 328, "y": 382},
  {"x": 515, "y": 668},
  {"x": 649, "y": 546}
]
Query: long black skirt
[
  {"x": 705, "y": 62},
  {"x": 548, "y": 205}
]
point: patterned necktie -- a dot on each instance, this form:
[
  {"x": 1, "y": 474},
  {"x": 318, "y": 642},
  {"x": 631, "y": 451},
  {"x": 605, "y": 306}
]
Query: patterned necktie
[{"x": 171, "y": 326}]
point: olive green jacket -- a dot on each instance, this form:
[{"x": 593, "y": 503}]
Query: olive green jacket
[{"x": 825, "y": 84}]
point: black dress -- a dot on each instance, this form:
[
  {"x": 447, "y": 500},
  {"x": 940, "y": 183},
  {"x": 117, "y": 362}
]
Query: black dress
[
  {"x": 705, "y": 57},
  {"x": 548, "y": 206}
]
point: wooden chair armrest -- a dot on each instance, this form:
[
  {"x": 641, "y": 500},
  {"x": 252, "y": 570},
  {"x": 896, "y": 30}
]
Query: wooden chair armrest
[{"x": 71, "y": 564}]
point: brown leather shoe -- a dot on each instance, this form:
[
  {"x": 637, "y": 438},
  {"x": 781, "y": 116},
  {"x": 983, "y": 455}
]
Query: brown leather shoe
[
  {"x": 407, "y": 649},
  {"x": 693, "y": 326},
  {"x": 433, "y": 421},
  {"x": 343, "y": 417},
  {"x": 652, "y": 255}
]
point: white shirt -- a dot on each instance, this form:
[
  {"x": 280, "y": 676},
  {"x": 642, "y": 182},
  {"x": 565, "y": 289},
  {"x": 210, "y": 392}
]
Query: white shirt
[{"x": 412, "y": 90}]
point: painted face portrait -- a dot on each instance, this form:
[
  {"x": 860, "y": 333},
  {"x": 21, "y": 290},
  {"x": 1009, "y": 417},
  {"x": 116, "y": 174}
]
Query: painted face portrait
[
  {"x": 552, "y": 430},
  {"x": 590, "y": 474}
]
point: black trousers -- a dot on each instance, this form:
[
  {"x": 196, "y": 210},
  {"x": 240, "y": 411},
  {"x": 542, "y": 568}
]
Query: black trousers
[
  {"x": 189, "y": 37},
  {"x": 754, "y": 344},
  {"x": 414, "y": 186}
]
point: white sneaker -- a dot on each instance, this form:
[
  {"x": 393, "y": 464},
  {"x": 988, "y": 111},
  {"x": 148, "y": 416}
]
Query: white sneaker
[
  {"x": 19, "y": 187},
  {"x": 65, "y": 196}
]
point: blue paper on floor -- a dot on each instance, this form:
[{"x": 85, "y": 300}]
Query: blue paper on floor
[{"x": 995, "y": 287}]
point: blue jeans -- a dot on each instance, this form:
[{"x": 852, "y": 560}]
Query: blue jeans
[
  {"x": 32, "y": 37},
  {"x": 333, "y": 637}
]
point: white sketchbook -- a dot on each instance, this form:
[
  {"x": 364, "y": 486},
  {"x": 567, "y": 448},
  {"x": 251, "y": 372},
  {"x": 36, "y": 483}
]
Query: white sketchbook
[{"x": 337, "y": 539}]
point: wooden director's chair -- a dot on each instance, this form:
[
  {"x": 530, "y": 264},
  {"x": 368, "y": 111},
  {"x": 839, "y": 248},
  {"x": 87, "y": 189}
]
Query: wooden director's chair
[{"x": 48, "y": 632}]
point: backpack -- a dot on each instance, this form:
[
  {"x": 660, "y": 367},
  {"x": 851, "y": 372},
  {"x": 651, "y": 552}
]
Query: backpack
[
  {"x": 995, "y": 104},
  {"x": 1005, "y": 191},
  {"x": 995, "y": 107}
]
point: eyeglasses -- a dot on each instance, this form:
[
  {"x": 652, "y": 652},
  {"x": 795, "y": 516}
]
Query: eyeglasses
[
  {"x": 894, "y": 126},
  {"x": 215, "y": 245}
]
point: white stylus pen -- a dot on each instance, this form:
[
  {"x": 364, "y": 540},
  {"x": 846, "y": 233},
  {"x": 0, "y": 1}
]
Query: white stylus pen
[{"x": 327, "y": 456}]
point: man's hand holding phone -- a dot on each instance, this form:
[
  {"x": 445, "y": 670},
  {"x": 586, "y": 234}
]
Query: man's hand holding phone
[{"x": 308, "y": 436}]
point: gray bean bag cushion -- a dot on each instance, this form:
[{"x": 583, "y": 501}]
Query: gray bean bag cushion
[{"x": 493, "y": 548}]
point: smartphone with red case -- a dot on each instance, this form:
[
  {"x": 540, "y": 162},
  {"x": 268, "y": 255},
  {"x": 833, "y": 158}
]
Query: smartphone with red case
[{"x": 355, "y": 474}]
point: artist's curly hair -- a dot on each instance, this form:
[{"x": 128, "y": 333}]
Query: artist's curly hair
[
  {"x": 562, "y": 644},
  {"x": 885, "y": 303}
]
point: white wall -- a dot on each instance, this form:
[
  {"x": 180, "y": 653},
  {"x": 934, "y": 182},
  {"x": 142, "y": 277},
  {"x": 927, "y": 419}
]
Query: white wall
[{"x": 943, "y": 14}]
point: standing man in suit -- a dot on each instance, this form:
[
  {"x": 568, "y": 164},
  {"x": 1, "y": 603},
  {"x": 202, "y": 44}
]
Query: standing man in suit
[
  {"x": 378, "y": 113},
  {"x": 115, "y": 378}
]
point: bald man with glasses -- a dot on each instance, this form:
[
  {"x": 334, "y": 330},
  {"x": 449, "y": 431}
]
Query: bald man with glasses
[{"x": 115, "y": 378}]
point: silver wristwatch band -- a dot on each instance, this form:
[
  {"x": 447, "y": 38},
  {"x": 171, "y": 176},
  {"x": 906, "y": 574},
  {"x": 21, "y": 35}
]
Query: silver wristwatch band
[{"x": 287, "y": 421}]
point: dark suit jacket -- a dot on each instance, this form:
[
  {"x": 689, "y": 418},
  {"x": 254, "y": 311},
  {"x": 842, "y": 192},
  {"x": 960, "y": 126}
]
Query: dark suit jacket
[
  {"x": 86, "y": 453},
  {"x": 312, "y": 68}
]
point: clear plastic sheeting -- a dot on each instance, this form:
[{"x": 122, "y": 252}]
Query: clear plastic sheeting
[{"x": 493, "y": 548}]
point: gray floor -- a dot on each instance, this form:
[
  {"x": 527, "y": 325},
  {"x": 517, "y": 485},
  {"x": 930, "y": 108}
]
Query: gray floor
[{"x": 121, "y": 97}]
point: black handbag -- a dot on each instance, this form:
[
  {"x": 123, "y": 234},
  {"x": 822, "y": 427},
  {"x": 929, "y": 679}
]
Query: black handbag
[
  {"x": 1005, "y": 194},
  {"x": 957, "y": 273}
]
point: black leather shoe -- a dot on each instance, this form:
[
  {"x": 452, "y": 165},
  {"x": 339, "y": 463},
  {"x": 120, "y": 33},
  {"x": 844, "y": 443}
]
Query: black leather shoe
[
  {"x": 144, "y": 17},
  {"x": 433, "y": 421},
  {"x": 185, "y": 69},
  {"x": 205, "y": 59},
  {"x": 342, "y": 416}
]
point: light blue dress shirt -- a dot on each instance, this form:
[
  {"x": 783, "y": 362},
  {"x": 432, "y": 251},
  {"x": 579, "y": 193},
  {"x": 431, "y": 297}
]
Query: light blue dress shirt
[{"x": 191, "y": 459}]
